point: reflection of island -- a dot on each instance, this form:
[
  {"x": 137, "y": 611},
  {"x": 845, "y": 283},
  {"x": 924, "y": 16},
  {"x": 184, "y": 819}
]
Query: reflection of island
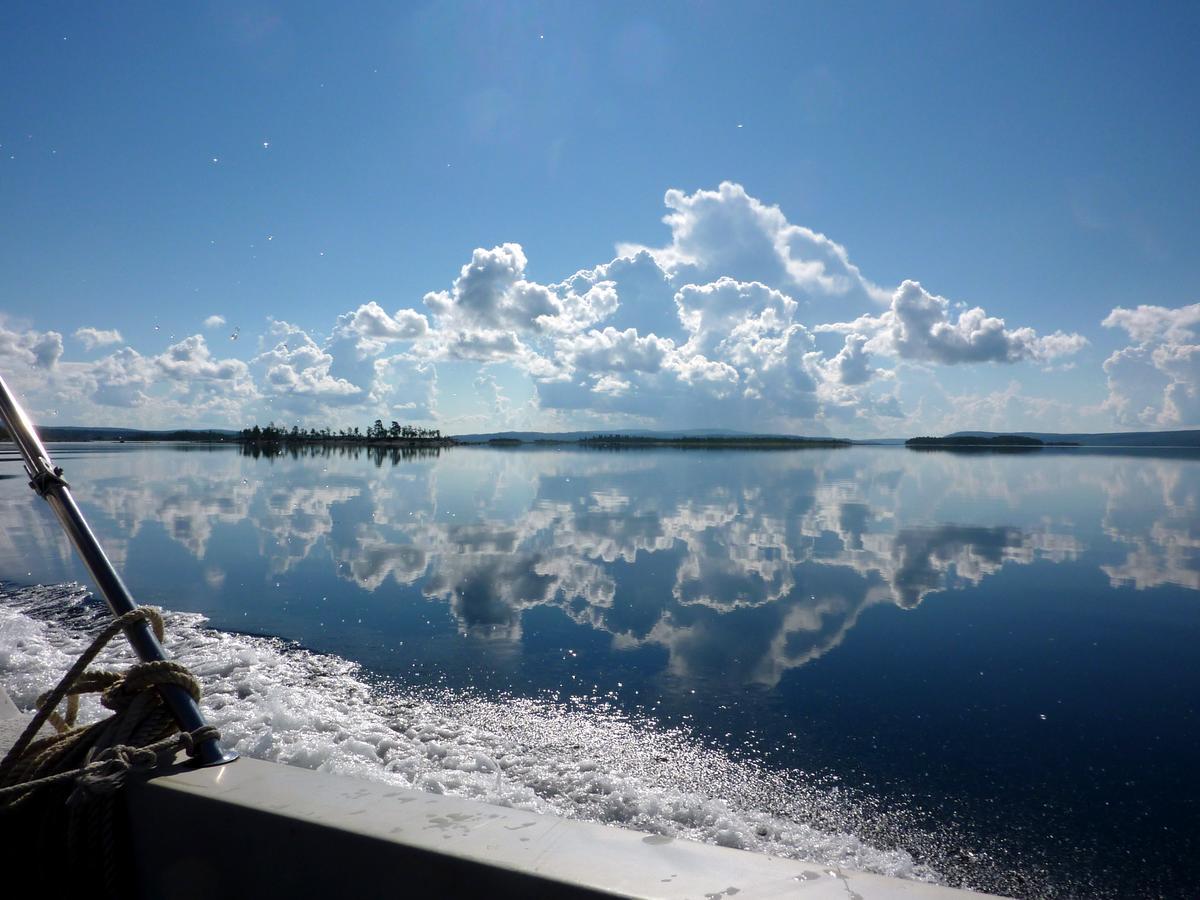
[{"x": 393, "y": 453}]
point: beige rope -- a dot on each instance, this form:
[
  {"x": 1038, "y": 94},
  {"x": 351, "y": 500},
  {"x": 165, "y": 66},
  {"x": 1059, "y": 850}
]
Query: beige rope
[
  {"x": 95, "y": 759},
  {"x": 139, "y": 736}
]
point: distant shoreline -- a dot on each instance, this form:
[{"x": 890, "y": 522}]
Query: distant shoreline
[
  {"x": 978, "y": 442},
  {"x": 1174, "y": 440},
  {"x": 715, "y": 442}
]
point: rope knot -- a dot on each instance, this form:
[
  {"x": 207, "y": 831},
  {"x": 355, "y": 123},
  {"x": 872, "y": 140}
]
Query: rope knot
[
  {"x": 142, "y": 677},
  {"x": 105, "y": 771},
  {"x": 97, "y": 759}
]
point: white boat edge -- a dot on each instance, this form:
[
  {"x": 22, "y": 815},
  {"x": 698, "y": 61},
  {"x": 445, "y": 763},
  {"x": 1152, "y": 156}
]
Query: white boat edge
[{"x": 272, "y": 830}]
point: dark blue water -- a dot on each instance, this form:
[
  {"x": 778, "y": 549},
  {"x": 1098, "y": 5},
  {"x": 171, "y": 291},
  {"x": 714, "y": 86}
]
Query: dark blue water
[{"x": 1003, "y": 646}]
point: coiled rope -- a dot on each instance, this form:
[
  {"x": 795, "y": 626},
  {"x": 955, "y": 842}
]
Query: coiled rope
[{"x": 95, "y": 760}]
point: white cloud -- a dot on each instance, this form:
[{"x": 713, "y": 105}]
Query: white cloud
[
  {"x": 491, "y": 293},
  {"x": 96, "y": 337},
  {"x": 122, "y": 379},
  {"x": 204, "y": 383},
  {"x": 298, "y": 369},
  {"x": 727, "y": 232},
  {"x": 374, "y": 328},
  {"x": 36, "y": 349},
  {"x": 190, "y": 360},
  {"x": 646, "y": 293},
  {"x": 730, "y": 321},
  {"x": 1155, "y": 382},
  {"x": 852, "y": 364},
  {"x": 920, "y": 326},
  {"x": 492, "y": 309},
  {"x": 1156, "y": 323},
  {"x": 615, "y": 351}
]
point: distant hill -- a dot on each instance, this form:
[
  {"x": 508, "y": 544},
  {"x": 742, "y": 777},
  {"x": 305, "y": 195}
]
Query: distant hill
[
  {"x": 1104, "y": 439},
  {"x": 71, "y": 433},
  {"x": 714, "y": 441},
  {"x": 635, "y": 436},
  {"x": 572, "y": 437}
]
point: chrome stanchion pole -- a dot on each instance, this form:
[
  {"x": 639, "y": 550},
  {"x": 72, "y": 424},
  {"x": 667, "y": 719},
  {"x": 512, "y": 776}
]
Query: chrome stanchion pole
[{"x": 46, "y": 478}]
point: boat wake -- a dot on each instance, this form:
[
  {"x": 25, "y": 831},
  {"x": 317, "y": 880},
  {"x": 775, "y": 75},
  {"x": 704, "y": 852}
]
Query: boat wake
[{"x": 276, "y": 701}]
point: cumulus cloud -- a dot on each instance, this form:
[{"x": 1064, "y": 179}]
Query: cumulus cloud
[
  {"x": 121, "y": 379},
  {"x": 1157, "y": 323},
  {"x": 186, "y": 378},
  {"x": 643, "y": 294},
  {"x": 851, "y": 365},
  {"x": 728, "y": 232},
  {"x": 203, "y": 381},
  {"x": 732, "y": 319},
  {"x": 615, "y": 351},
  {"x": 298, "y": 368},
  {"x": 190, "y": 360},
  {"x": 373, "y": 328},
  {"x": 492, "y": 312},
  {"x": 47, "y": 349},
  {"x": 919, "y": 325},
  {"x": 97, "y": 337},
  {"x": 1156, "y": 380},
  {"x": 751, "y": 292},
  {"x": 36, "y": 349},
  {"x": 491, "y": 293}
]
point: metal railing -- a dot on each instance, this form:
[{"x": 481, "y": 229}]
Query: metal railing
[{"x": 46, "y": 479}]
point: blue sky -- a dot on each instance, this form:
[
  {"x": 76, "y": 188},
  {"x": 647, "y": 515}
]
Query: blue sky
[{"x": 847, "y": 183}]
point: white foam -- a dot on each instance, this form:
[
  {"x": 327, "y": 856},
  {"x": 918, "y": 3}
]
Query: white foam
[{"x": 278, "y": 702}]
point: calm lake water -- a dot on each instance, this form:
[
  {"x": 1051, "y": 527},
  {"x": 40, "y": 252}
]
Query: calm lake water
[{"x": 985, "y": 663}]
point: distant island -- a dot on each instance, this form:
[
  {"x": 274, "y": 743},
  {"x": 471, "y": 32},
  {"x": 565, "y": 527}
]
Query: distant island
[
  {"x": 376, "y": 434},
  {"x": 1182, "y": 439},
  {"x": 971, "y": 441}
]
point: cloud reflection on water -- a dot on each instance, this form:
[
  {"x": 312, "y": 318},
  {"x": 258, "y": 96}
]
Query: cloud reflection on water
[{"x": 746, "y": 565}]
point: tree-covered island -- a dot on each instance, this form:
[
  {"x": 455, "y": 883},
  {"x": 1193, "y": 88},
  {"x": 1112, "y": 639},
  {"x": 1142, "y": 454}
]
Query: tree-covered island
[{"x": 395, "y": 435}]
